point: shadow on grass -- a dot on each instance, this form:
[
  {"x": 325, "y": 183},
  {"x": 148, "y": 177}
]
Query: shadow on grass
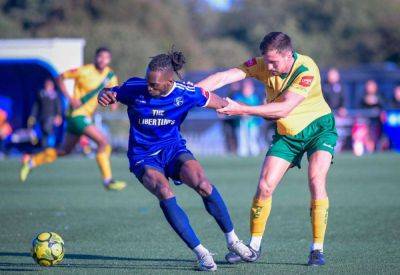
[
  {"x": 122, "y": 263},
  {"x": 97, "y": 257},
  {"x": 18, "y": 270},
  {"x": 282, "y": 263},
  {"x": 127, "y": 263}
]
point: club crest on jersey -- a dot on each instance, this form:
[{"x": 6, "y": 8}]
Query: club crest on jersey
[
  {"x": 140, "y": 100},
  {"x": 306, "y": 81},
  {"x": 250, "y": 62},
  {"x": 178, "y": 101}
]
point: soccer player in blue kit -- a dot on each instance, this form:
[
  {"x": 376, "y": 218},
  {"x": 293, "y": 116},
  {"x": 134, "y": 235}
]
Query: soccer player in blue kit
[{"x": 157, "y": 106}]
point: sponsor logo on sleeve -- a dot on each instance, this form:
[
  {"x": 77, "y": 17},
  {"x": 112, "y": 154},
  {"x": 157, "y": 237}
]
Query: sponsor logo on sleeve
[
  {"x": 327, "y": 145},
  {"x": 250, "y": 62},
  {"x": 306, "y": 81}
]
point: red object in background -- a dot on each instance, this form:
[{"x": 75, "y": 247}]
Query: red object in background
[
  {"x": 360, "y": 131},
  {"x": 5, "y": 127},
  {"x": 84, "y": 142},
  {"x": 361, "y": 136}
]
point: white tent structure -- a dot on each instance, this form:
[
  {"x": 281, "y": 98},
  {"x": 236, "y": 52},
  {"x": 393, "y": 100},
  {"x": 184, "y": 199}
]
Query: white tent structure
[
  {"x": 60, "y": 53},
  {"x": 56, "y": 54}
]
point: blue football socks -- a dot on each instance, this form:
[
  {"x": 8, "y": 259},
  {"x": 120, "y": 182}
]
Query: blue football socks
[{"x": 179, "y": 221}]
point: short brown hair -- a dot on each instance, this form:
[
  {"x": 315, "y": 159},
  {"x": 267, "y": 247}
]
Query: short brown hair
[{"x": 276, "y": 41}]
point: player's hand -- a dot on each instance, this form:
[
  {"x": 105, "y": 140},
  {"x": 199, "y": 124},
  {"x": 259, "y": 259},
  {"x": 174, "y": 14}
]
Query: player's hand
[
  {"x": 233, "y": 108},
  {"x": 107, "y": 97},
  {"x": 75, "y": 102}
]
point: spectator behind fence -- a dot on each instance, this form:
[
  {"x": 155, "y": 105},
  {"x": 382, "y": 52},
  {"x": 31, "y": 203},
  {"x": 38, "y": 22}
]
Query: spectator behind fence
[
  {"x": 334, "y": 92},
  {"x": 248, "y": 131},
  {"x": 373, "y": 102},
  {"x": 47, "y": 113},
  {"x": 361, "y": 138},
  {"x": 395, "y": 101},
  {"x": 230, "y": 123}
]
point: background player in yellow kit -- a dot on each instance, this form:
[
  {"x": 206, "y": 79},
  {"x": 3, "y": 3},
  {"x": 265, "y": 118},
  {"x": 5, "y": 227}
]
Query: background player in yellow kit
[
  {"x": 304, "y": 124},
  {"x": 89, "y": 80}
]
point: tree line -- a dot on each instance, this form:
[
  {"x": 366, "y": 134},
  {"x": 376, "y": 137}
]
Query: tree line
[{"x": 334, "y": 32}]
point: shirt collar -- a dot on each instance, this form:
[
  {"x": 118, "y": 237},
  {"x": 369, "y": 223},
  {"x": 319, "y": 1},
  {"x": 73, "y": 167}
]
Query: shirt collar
[
  {"x": 170, "y": 90},
  {"x": 283, "y": 76}
]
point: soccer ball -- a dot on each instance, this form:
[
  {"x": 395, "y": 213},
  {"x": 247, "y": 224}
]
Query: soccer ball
[{"x": 48, "y": 249}]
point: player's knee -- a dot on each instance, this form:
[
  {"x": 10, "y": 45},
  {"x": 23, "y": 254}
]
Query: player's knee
[
  {"x": 163, "y": 192},
  {"x": 316, "y": 179},
  {"x": 201, "y": 184},
  {"x": 317, "y": 184},
  {"x": 159, "y": 189},
  {"x": 264, "y": 190},
  {"x": 101, "y": 145},
  {"x": 204, "y": 188}
]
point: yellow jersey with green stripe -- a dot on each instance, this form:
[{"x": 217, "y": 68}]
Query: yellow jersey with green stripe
[
  {"x": 88, "y": 82},
  {"x": 303, "y": 79}
]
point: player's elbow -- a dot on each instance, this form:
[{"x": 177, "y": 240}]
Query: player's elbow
[
  {"x": 283, "y": 114},
  {"x": 279, "y": 114}
]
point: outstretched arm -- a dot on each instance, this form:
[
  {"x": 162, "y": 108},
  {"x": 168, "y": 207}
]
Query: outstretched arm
[
  {"x": 274, "y": 110},
  {"x": 216, "y": 102},
  {"x": 220, "y": 79}
]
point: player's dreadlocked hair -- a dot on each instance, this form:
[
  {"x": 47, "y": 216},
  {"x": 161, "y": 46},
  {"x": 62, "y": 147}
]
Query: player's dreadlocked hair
[{"x": 174, "y": 60}]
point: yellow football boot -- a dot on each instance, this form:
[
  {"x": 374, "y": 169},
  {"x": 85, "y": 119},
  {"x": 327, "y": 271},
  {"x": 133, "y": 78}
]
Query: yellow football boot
[
  {"x": 115, "y": 185},
  {"x": 25, "y": 169}
]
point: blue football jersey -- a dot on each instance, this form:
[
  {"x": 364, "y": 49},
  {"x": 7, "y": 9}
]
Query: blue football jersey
[{"x": 155, "y": 122}]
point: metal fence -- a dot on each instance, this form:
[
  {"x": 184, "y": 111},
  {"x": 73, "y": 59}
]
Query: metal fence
[{"x": 203, "y": 129}]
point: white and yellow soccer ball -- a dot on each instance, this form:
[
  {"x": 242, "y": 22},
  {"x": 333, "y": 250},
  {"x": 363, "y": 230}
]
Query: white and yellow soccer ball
[{"x": 48, "y": 249}]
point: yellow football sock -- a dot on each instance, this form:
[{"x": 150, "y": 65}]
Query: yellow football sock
[
  {"x": 319, "y": 219},
  {"x": 103, "y": 161},
  {"x": 259, "y": 214},
  {"x": 48, "y": 155}
]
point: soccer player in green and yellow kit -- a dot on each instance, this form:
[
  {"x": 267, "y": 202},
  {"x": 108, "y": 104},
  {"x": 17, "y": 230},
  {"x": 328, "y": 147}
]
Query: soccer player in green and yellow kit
[
  {"x": 304, "y": 124},
  {"x": 89, "y": 80}
]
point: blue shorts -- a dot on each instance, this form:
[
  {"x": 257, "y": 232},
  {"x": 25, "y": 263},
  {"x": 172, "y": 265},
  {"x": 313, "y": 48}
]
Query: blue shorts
[{"x": 167, "y": 160}]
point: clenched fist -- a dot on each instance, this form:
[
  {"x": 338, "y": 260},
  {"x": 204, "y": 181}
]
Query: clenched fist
[{"x": 106, "y": 97}]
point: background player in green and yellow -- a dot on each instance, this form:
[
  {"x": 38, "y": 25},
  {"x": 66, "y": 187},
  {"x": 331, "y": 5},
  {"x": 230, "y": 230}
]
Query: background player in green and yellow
[
  {"x": 304, "y": 124},
  {"x": 89, "y": 80}
]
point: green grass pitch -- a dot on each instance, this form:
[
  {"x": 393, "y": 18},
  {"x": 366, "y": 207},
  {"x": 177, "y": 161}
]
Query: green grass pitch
[{"x": 125, "y": 232}]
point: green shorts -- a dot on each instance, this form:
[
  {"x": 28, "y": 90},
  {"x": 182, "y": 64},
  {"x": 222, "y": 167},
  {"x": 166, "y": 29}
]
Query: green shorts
[
  {"x": 318, "y": 135},
  {"x": 76, "y": 124}
]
